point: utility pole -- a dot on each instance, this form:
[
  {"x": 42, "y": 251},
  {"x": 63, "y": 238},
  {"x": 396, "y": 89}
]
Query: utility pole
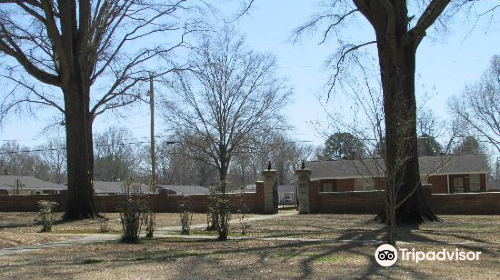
[{"x": 153, "y": 153}]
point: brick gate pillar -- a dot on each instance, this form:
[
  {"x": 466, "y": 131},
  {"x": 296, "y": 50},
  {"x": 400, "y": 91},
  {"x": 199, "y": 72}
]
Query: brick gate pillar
[
  {"x": 270, "y": 205},
  {"x": 303, "y": 176}
]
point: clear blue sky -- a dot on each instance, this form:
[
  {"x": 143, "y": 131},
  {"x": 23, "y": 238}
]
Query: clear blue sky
[{"x": 446, "y": 65}]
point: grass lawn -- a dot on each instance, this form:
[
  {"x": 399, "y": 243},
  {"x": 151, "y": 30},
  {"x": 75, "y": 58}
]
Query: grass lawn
[
  {"x": 453, "y": 228},
  {"x": 245, "y": 259},
  {"x": 21, "y": 228},
  {"x": 253, "y": 258}
]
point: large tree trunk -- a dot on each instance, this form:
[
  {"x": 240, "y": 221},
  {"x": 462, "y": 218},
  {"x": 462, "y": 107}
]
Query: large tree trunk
[
  {"x": 80, "y": 202},
  {"x": 397, "y": 67}
]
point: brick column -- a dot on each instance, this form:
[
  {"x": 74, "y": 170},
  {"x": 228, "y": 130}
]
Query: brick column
[
  {"x": 270, "y": 176},
  {"x": 303, "y": 176}
]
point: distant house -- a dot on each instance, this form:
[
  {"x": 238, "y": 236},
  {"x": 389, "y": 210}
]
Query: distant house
[
  {"x": 183, "y": 190},
  {"x": 117, "y": 187},
  {"x": 27, "y": 185},
  {"x": 287, "y": 194},
  {"x": 4, "y": 189},
  {"x": 446, "y": 174}
]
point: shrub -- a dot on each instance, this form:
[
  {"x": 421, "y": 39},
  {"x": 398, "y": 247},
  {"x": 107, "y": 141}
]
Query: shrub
[
  {"x": 218, "y": 214},
  {"x": 132, "y": 213},
  {"x": 46, "y": 214},
  {"x": 150, "y": 222},
  {"x": 186, "y": 216},
  {"x": 223, "y": 216},
  {"x": 103, "y": 224},
  {"x": 244, "y": 209}
]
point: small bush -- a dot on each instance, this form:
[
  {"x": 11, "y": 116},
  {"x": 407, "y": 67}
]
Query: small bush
[
  {"x": 186, "y": 216},
  {"x": 223, "y": 216},
  {"x": 150, "y": 222},
  {"x": 212, "y": 218},
  {"x": 103, "y": 224},
  {"x": 46, "y": 214},
  {"x": 242, "y": 213},
  {"x": 132, "y": 213}
]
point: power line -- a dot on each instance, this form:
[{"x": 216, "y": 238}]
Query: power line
[{"x": 64, "y": 148}]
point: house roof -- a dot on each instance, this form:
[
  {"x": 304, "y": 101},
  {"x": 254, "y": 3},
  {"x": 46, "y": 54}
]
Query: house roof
[
  {"x": 431, "y": 165},
  {"x": 5, "y": 187},
  {"x": 103, "y": 187},
  {"x": 29, "y": 183},
  {"x": 185, "y": 189}
]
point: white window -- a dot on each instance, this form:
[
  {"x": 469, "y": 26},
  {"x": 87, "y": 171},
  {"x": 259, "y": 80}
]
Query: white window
[
  {"x": 364, "y": 184},
  {"x": 475, "y": 183},
  {"x": 326, "y": 187},
  {"x": 458, "y": 185}
]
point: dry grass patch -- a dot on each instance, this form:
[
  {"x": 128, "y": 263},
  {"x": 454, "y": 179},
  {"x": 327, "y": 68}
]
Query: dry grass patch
[
  {"x": 454, "y": 228},
  {"x": 246, "y": 259},
  {"x": 22, "y": 228}
]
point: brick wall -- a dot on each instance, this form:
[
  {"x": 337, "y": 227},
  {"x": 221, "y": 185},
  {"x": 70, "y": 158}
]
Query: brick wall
[
  {"x": 344, "y": 185},
  {"x": 160, "y": 202},
  {"x": 344, "y": 202},
  {"x": 487, "y": 203},
  {"x": 371, "y": 202},
  {"x": 439, "y": 184}
]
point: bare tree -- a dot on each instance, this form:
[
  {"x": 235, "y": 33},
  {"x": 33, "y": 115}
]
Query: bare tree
[
  {"x": 283, "y": 152},
  {"x": 20, "y": 160},
  {"x": 231, "y": 93},
  {"x": 400, "y": 27},
  {"x": 94, "y": 52},
  {"x": 116, "y": 154},
  {"x": 479, "y": 106},
  {"x": 54, "y": 155},
  {"x": 177, "y": 164}
]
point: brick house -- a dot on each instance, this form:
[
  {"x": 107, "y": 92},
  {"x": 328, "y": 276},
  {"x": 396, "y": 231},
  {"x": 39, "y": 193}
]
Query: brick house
[{"x": 446, "y": 174}]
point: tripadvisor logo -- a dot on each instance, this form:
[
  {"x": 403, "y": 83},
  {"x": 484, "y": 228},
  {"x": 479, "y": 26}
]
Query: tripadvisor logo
[{"x": 387, "y": 255}]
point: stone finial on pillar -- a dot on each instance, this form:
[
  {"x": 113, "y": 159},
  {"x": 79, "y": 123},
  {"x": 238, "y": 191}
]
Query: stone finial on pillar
[
  {"x": 303, "y": 177},
  {"x": 270, "y": 205}
]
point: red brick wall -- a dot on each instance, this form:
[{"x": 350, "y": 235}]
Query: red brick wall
[
  {"x": 482, "y": 182},
  {"x": 467, "y": 203},
  {"x": 28, "y": 203},
  {"x": 162, "y": 203},
  {"x": 344, "y": 185},
  {"x": 343, "y": 201},
  {"x": 439, "y": 184},
  {"x": 371, "y": 202}
]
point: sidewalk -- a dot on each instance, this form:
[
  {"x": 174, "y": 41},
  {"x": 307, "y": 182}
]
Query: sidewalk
[
  {"x": 96, "y": 238},
  {"x": 164, "y": 230}
]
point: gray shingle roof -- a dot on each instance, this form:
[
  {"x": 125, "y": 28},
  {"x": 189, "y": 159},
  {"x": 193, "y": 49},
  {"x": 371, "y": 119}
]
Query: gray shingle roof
[
  {"x": 184, "y": 189},
  {"x": 112, "y": 187},
  {"x": 432, "y": 165},
  {"x": 29, "y": 183},
  {"x": 5, "y": 187}
]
